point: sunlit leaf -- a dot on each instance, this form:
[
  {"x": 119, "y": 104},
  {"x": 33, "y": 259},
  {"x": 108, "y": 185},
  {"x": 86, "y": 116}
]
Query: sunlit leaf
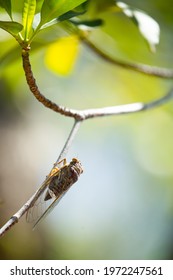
[
  {"x": 61, "y": 55},
  {"x": 54, "y": 8},
  {"x": 28, "y": 16},
  {"x": 66, "y": 16},
  {"x": 36, "y": 20},
  {"x": 11, "y": 27},
  {"x": 148, "y": 27},
  {"x": 6, "y": 4}
]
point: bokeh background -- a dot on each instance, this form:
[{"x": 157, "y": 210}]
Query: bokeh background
[{"x": 122, "y": 206}]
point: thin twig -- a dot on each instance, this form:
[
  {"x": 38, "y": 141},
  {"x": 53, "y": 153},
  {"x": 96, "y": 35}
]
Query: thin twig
[
  {"x": 16, "y": 217},
  {"x": 69, "y": 141},
  {"x": 126, "y": 108},
  {"x": 164, "y": 73}
]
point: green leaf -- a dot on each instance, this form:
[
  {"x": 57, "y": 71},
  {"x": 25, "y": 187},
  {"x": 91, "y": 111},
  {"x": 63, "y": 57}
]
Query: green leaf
[
  {"x": 99, "y": 6},
  {"x": 11, "y": 27},
  {"x": 87, "y": 24},
  {"x": 69, "y": 14},
  {"x": 52, "y": 9},
  {"x": 6, "y": 4},
  {"x": 147, "y": 26},
  {"x": 28, "y": 16},
  {"x": 39, "y": 5}
]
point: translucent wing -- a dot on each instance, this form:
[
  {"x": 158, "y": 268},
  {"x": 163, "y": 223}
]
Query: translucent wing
[
  {"x": 49, "y": 209},
  {"x": 40, "y": 205},
  {"x": 37, "y": 209},
  {"x": 53, "y": 189}
]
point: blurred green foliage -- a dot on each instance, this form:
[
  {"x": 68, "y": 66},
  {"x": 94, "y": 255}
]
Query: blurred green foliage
[{"x": 121, "y": 207}]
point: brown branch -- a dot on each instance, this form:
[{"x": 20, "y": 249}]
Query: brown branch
[
  {"x": 38, "y": 95},
  {"x": 80, "y": 115},
  {"x": 164, "y": 73},
  {"x": 91, "y": 113}
]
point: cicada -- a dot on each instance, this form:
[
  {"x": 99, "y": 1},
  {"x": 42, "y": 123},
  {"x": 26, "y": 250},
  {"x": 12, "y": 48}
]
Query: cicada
[{"x": 56, "y": 185}]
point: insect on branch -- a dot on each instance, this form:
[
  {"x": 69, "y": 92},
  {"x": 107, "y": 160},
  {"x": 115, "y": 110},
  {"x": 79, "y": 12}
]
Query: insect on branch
[
  {"x": 78, "y": 116},
  {"x": 16, "y": 217},
  {"x": 91, "y": 113}
]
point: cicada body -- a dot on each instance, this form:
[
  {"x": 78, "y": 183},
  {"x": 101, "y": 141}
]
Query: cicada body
[{"x": 57, "y": 184}]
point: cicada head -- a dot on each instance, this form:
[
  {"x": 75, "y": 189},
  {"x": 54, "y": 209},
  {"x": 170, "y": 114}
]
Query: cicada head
[{"x": 76, "y": 168}]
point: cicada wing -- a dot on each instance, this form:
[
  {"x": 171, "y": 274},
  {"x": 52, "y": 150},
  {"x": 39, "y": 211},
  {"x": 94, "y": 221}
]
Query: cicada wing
[
  {"x": 49, "y": 209},
  {"x": 38, "y": 208},
  {"x": 40, "y": 205}
]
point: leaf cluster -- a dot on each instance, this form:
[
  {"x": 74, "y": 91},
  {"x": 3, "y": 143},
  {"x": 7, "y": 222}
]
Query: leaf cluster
[{"x": 81, "y": 15}]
